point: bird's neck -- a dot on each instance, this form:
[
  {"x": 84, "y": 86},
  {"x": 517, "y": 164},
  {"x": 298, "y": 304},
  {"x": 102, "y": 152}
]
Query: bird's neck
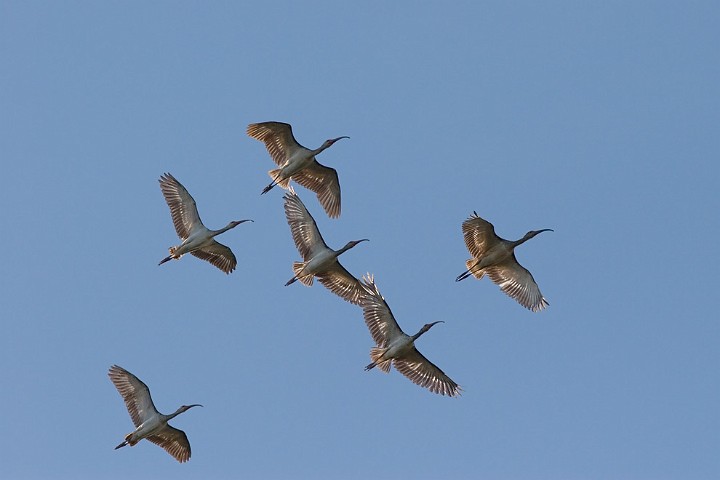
[
  {"x": 215, "y": 233},
  {"x": 318, "y": 150},
  {"x": 521, "y": 241},
  {"x": 417, "y": 335},
  {"x": 174, "y": 414},
  {"x": 343, "y": 249}
]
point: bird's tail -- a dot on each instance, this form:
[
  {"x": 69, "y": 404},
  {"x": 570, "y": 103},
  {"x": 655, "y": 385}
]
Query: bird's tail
[
  {"x": 476, "y": 272},
  {"x": 274, "y": 174},
  {"x": 268, "y": 188},
  {"x": 304, "y": 278},
  {"x": 169, "y": 257},
  {"x": 375, "y": 355}
]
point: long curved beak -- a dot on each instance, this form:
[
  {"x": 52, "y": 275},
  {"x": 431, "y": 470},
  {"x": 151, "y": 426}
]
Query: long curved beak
[
  {"x": 239, "y": 222},
  {"x": 338, "y": 138},
  {"x": 438, "y": 321}
]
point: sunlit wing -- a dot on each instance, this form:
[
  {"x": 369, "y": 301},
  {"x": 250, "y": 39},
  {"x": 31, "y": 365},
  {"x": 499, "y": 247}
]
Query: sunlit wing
[
  {"x": 277, "y": 137},
  {"x": 135, "y": 393},
  {"x": 339, "y": 281},
  {"x": 518, "y": 283},
  {"x": 183, "y": 209},
  {"x": 423, "y": 372},
  {"x": 476, "y": 272},
  {"x": 324, "y": 182},
  {"x": 378, "y": 317},
  {"x": 304, "y": 230},
  {"x": 174, "y": 441},
  {"x": 217, "y": 254},
  {"x": 479, "y": 235}
]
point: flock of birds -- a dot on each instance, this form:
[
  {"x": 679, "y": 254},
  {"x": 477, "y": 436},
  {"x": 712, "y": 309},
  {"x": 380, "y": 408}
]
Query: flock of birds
[{"x": 491, "y": 255}]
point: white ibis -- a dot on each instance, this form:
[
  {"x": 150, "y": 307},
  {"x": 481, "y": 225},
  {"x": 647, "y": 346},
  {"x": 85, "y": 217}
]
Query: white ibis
[
  {"x": 197, "y": 240},
  {"x": 396, "y": 347},
  {"x": 495, "y": 257},
  {"x": 319, "y": 260},
  {"x": 298, "y": 163},
  {"x": 149, "y": 423}
]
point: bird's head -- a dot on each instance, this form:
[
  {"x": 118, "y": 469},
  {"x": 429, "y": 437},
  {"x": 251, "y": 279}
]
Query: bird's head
[
  {"x": 425, "y": 328},
  {"x": 428, "y": 326},
  {"x": 532, "y": 233},
  {"x": 235, "y": 223},
  {"x": 329, "y": 142},
  {"x": 352, "y": 243},
  {"x": 185, "y": 408}
]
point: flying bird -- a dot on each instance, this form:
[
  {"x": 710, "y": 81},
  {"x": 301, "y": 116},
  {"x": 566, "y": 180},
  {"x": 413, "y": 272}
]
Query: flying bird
[
  {"x": 397, "y": 348},
  {"x": 319, "y": 260},
  {"x": 495, "y": 257},
  {"x": 149, "y": 423},
  {"x": 197, "y": 240},
  {"x": 298, "y": 163}
]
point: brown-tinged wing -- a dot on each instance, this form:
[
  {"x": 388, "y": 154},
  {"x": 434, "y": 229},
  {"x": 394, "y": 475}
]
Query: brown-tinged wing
[
  {"x": 517, "y": 282},
  {"x": 479, "y": 235},
  {"x": 339, "y": 281},
  {"x": 304, "y": 230},
  {"x": 217, "y": 254},
  {"x": 277, "y": 137},
  {"x": 135, "y": 393},
  {"x": 423, "y": 372},
  {"x": 325, "y": 183},
  {"x": 376, "y": 312},
  {"x": 183, "y": 209},
  {"x": 174, "y": 441}
]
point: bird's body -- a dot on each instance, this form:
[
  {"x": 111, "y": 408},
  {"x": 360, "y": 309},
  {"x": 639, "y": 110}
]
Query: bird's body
[
  {"x": 197, "y": 239},
  {"x": 298, "y": 163},
  {"x": 398, "y": 348},
  {"x": 494, "y": 256},
  {"x": 298, "y": 160},
  {"x": 317, "y": 264},
  {"x": 319, "y": 260},
  {"x": 149, "y": 423}
]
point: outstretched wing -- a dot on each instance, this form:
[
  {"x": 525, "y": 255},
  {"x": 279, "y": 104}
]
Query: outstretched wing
[
  {"x": 135, "y": 393},
  {"x": 217, "y": 254},
  {"x": 479, "y": 235},
  {"x": 174, "y": 441},
  {"x": 325, "y": 183},
  {"x": 376, "y": 312},
  {"x": 304, "y": 230},
  {"x": 183, "y": 209},
  {"x": 277, "y": 137},
  {"x": 423, "y": 372},
  {"x": 339, "y": 281},
  {"x": 517, "y": 282}
]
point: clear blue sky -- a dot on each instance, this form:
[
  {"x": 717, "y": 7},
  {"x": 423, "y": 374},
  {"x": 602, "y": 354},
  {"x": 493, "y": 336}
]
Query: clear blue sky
[{"x": 597, "y": 119}]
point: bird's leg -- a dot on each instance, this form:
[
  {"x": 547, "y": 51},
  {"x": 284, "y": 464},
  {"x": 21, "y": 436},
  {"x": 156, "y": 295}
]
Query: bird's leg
[
  {"x": 377, "y": 355},
  {"x": 300, "y": 274},
  {"x": 463, "y": 275},
  {"x": 268, "y": 188},
  {"x": 467, "y": 272},
  {"x": 275, "y": 178},
  {"x": 171, "y": 256}
]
